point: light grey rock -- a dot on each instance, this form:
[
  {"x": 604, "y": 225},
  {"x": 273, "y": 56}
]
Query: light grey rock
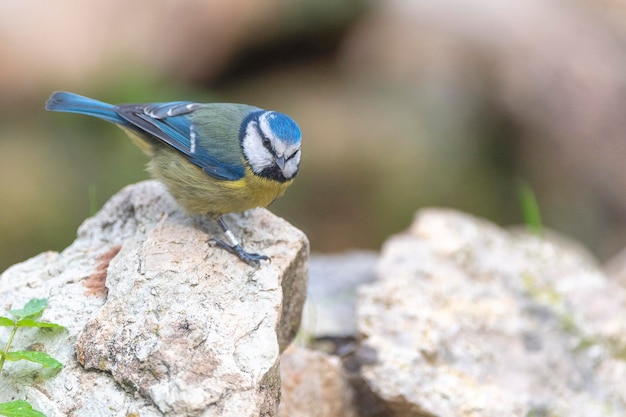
[
  {"x": 467, "y": 319},
  {"x": 615, "y": 267},
  {"x": 329, "y": 310},
  {"x": 314, "y": 384},
  {"x": 159, "y": 322}
]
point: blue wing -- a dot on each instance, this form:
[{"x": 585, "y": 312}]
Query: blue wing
[
  {"x": 171, "y": 123},
  {"x": 168, "y": 123}
]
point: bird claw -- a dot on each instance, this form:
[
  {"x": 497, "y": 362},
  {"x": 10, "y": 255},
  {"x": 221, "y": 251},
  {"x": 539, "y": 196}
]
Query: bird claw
[{"x": 253, "y": 259}]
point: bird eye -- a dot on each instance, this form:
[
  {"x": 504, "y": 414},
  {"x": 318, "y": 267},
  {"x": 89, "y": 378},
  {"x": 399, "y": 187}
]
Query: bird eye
[{"x": 267, "y": 143}]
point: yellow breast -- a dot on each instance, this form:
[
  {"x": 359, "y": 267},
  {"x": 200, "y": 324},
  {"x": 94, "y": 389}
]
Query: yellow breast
[
  {"x": 199, "y": 193},
  {"x": 249, "y": 192}
]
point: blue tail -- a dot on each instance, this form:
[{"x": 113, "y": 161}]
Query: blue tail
[{"x": 73, "y": 103}]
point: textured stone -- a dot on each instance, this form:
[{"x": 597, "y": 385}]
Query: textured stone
[
  {"x": 159, "y": 321},
  {"x": 314, "y": 384},
  {"x": 615, "y": 268},
  {"x": 467, "y": 319}
]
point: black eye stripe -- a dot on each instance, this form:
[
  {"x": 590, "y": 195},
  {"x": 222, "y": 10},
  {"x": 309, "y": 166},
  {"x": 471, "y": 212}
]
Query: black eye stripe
[
  {"x": 267, "y": 144},
  {"x": 265, "y": 141},
  {"x": 293, "y": 154}
]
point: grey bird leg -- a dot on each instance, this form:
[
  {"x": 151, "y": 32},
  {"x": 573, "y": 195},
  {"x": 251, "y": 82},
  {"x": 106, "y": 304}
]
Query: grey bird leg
[{"x": 235, "y": 248}]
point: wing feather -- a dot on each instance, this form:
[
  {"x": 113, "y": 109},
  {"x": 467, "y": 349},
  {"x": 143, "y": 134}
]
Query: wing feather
[{"x": 196, "y": 131}]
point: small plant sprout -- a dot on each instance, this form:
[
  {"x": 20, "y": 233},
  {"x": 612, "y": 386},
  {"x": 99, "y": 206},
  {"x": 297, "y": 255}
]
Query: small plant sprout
[
  {"x": 530, "y": 208},
  {"x": 19, "y": 408},
  {"x": 28, "y": 316}
]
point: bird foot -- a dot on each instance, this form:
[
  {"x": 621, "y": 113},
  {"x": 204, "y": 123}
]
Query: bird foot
[{"x": 253, "y": 259}]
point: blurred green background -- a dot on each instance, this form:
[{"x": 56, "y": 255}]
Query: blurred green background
[{"x": 402, "y": 105}]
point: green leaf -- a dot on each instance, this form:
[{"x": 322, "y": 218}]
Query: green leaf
[
  {"x": 41, "y": 358},
  {"x": 530, "y": 208},
  {"x": 35, "y": 323},
  {"x": 19, "y": 408},
  {"x": 6, "y": 322},
  {"x": 32, "y": 308}
]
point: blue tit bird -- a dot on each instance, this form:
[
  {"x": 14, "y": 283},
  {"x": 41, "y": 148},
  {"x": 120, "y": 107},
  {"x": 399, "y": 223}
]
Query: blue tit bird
[{"x": 214, "y": 158}]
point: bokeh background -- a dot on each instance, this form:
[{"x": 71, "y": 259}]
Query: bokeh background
[{"x": 403, "y": 104}]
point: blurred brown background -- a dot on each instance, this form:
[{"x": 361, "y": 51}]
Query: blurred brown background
[{"x": 402, "y": 104}]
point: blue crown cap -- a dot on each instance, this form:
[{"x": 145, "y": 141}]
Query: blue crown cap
[{"x": 284, "y": 127}]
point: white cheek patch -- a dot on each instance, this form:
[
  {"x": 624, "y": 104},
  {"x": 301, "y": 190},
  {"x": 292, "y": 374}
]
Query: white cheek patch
[
  {"x": 258, "y": 157},
  {"x": 291, "y": 167}
]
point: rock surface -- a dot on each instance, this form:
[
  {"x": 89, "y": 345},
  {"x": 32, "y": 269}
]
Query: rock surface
[
  {"x": 314, "y": 384},
  {"x": 615, "y": 268},
  {"x": 158, "y": 320},
  {"x": 467, "y": 319}
]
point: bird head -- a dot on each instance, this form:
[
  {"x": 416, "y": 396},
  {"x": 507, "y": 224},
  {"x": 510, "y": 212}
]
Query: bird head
[{"x": 271, "y": 145}]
